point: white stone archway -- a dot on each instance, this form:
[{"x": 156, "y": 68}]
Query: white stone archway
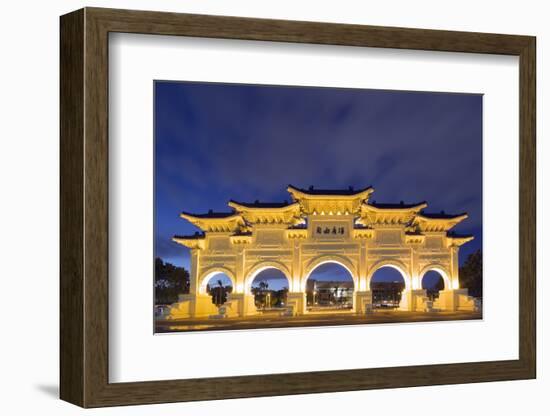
[{"x": 315, "y": 228}]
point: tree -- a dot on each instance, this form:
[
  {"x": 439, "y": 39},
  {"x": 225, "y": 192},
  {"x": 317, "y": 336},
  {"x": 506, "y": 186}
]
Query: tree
[
  {"x": 259, "y": 293},
  {"x": 219, "y": 292},
  {"x": 281, "y": 296},
  {"x": 471, "y": 274},
  {"x": 433, "y": 292},
  {"x": 170, "y": 282}
]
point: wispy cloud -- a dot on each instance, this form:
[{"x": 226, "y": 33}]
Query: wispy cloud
[{"x": 215, "y": 142}]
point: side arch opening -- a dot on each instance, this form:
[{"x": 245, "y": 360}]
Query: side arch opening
[
  {"x": 434, "y": 280},
  {"x": 269, "y": 286},
  {"x": 218, "y": 285},
  {"x": 387, "y": 284}
]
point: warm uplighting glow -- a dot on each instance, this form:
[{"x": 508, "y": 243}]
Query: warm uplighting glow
[
  {"x": 416, "y": 283},
  {"x": 292, "y": 239}
]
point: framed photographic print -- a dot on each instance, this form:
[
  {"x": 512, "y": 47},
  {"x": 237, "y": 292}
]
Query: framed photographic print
[{"x": 242, "y": 199}]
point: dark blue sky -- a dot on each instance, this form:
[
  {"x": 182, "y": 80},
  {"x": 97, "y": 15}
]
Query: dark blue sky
[{"x": 215, "y": 142}]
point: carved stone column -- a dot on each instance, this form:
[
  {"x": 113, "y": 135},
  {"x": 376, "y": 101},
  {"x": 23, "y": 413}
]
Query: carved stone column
[
  {"x": 194, "y": 304},
  {"x": 362, "y": 296},
  {"x": 362, "y": 278},
  {"x": 239, "y": 271},
  {"x": 194, "y": 272},
  {"x": 413, "y": 300},
  {"x": 296, "y": 269},
  {"x": 363, "y": 302},
  {"x": 296, "y": 303},
  {"x": 416, "y": 279},
  {"x": 240, "y": 304},
  {"x": 455, "y": 284}
]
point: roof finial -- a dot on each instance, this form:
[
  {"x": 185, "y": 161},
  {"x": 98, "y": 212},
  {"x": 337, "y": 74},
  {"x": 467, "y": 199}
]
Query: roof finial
[
  {"x": 210, "y": 211},
  {"x": 350, "y": 188},
  {"x": 311, "y": 187}
]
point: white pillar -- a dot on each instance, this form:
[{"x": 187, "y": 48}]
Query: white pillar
[
  {"x": 455, "y": 284},
  {"x": 362, "y": 278},
  {"x": 194, "y": 272},
  {"x": 416, "y": 279},
  {"x": 239, "y": 271},
  {"x": 240, "y": 304},
  {"x": 296, "y": 301},
  {"x": 362, "y": 302},
  {"x": 413, "y": 300},
  {"x": 296, "y": 269}
]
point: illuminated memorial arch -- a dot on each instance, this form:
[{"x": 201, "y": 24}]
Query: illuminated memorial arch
[{"x": 320, "y": 226}]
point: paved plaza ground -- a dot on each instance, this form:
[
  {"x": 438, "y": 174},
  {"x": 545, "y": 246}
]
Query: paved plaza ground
[{"x": 273, "y": 320}]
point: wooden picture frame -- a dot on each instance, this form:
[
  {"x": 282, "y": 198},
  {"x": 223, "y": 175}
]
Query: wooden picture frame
[{"x": 84, "y": 207}]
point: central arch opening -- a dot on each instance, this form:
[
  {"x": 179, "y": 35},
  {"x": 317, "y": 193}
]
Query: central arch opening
[
  {"x": 329, "y": 286},
  {"x": 387, "y": 284},
  {"x": 270, "y": 289},
  {"x": 219, "y": 286}
]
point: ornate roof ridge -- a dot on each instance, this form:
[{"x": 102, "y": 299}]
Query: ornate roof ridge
[
  {"x": 262, "y": 205},
  {"x": 396, "y": 206},
  {"x": 196, "y": 236},
  {"x": 441, "y": 215},
  {"x": 453, "y": 234},
  {"x": 211, "y": 214},
  {"x": 350, "y": 191}
]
